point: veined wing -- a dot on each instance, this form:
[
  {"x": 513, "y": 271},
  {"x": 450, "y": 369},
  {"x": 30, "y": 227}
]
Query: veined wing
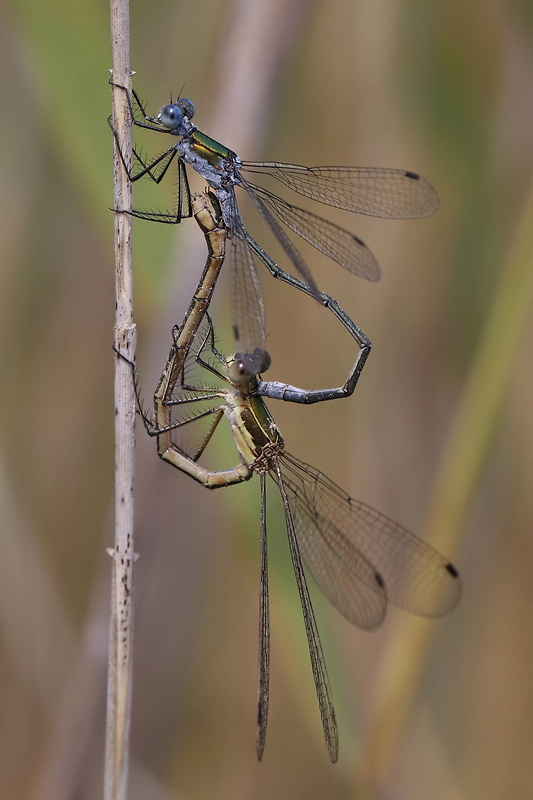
[
  {"x": 360, "y": 558},
  {"x": 335, "y": 242},
  {"x": 283, "y": 239},
  {"x": 316, "y": 654},
  {"x": 375, "y": 191},
  {"x": 248, "y": 307},
  {"x": 348, "y": 580}
]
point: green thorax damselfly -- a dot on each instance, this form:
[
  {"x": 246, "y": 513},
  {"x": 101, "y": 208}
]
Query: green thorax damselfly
[{"x": 379, "y": 192}]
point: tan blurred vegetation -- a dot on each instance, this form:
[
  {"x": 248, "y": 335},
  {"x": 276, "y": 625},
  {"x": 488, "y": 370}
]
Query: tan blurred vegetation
[{"x": 439, "y": 433}]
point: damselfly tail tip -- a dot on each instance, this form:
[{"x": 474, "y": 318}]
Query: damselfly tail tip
[
  {"x": 260, "y": 741},
  {"x": 260, "y": 748}
]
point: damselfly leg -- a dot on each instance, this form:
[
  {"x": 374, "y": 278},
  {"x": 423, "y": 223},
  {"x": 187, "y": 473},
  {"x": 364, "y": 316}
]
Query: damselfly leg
[
  {"x": 379, "y": 192},
  {"x": 359, "y": 558},
  {"x": 208, "y": 216}
]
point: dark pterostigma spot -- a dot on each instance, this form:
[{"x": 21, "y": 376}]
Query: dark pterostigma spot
[{"x": 451, "y": 569}]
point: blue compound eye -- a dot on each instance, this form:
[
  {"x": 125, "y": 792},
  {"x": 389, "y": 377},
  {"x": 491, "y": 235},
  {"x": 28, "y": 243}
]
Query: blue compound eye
[{"x": 170, "y": 116}]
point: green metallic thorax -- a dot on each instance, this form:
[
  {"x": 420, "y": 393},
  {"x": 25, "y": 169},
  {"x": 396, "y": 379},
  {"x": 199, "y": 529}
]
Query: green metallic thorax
[{"x": 209, "y": 149}]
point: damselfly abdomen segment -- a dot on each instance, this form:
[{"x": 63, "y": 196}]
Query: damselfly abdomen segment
[{"x": 378, "y": 192}]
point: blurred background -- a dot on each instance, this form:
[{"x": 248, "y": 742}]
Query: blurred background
[{"x": 438, "y": 435}]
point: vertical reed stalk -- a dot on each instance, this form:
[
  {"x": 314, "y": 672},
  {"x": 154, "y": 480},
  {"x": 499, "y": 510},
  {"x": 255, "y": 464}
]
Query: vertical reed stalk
[{"x": 121, "y": 623}]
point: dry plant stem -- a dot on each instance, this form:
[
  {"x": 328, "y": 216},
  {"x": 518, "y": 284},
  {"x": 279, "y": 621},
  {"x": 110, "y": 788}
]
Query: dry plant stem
[{"x": 121, "y": 623}]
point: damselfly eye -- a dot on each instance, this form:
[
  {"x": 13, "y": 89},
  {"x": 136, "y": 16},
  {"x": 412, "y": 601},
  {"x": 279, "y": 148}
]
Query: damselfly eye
[
  {"x": 187, "y": 107},
  {"x": 170, "y": 116},
  {"x": 244, "y": 366},
  {"x": 256, "y": 362},
  {"x": 238, "y": 372}
]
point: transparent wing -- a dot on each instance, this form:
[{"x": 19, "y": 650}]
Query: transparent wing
[
  {"x": 359, "y": 557},
  {"x": 248, "y": 308},
  {"x": 335, "y": 242},
  {"x": 316, "y": 654},
  {"x": 348, "y": 579},
  {"x": 377, "y": 192},
  {"x": 283, "y": 239}
]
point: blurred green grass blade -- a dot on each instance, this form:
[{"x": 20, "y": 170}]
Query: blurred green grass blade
[
  {"x": 69, "y": 55},
  {"x": 68, "y": 52},
  {"x": 479, "y": 410},
  {"x": 476, "y": 423}
]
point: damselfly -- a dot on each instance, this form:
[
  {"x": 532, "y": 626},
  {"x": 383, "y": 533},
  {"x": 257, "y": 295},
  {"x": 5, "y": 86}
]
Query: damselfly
[
  {"x": 378, "y": 192},
  {"x": 208, "y": 215},
  {"x": 360, "y": 558}
]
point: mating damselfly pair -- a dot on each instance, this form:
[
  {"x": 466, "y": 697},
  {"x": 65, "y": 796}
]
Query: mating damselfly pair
[{"x": 359, "y": 558}]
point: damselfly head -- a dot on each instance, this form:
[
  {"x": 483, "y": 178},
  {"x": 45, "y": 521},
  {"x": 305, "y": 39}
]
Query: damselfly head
[
  {"x": 244, "y": 366},
  {"x": 171, "y": 115}
]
